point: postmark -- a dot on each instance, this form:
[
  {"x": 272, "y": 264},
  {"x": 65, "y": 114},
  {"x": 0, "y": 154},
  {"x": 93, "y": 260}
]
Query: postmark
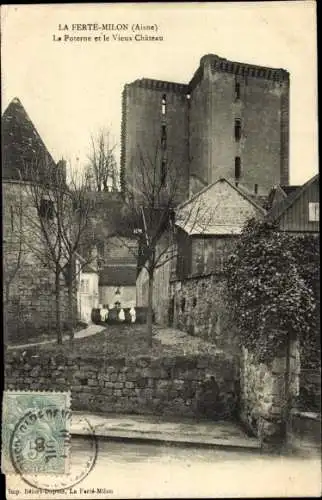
[
  {"x": 81, "y": 463},
  {"x": 36, "y": 432}
]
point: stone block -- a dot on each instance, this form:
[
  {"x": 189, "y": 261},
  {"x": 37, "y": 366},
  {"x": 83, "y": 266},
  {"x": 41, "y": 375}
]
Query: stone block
[
  {"x": 61, "y": 380},
  {"x": 118, "y": 385},
  {"x": 77, "y": 388},
  {"x": 129, "y": 385}
]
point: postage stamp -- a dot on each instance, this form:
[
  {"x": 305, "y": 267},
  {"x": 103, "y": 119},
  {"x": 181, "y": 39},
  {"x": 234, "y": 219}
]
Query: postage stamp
[{"x": 35, "y": 432}]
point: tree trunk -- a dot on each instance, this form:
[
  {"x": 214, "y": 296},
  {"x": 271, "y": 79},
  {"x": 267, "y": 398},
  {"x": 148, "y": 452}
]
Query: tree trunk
[
  {"x": 150, "y": 309},
  {"x": 58, "y": 311},
  {"x": 71, "y": 311},
  {"x": 71, "y": 315}
]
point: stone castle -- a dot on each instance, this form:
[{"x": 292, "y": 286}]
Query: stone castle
[{"x": 231, "y": 120}]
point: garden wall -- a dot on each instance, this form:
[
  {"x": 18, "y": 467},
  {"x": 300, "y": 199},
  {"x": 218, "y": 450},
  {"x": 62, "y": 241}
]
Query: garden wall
[
  {"x": 204, "y": 386},
  {"x": 201, "y": 309}
]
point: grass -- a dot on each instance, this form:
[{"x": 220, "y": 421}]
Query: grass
[
  {"x": 113, "y": 341},
  {"x": 118, "y": 341}
]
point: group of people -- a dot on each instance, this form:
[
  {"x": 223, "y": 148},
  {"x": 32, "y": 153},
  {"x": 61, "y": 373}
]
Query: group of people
[{"x": 105, "y": 311}]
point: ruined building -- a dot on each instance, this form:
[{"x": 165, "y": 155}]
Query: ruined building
[{"x": 231, "y": 120}]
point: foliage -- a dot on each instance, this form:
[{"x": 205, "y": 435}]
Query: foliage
[
  {"x": 269, "y": 296},
  {"x": 306, "y": 250}
]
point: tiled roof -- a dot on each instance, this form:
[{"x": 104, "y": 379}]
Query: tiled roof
[
  {"x": 118, "y": 276},
  {"x": 21, "y": 143},
  {"x": 281, "y": 207}
]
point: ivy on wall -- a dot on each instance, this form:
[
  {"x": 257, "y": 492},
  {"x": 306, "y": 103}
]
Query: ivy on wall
[{"x": 269, "y": 294}]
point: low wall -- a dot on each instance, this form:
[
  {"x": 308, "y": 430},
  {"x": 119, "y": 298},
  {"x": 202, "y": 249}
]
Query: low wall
[
  {"x": 263, "y": 394},
  {"x": 206, "y": 386}
]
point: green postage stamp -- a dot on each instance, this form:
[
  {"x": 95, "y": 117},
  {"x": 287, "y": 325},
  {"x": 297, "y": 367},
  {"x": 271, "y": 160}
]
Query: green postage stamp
[{"x": 35, "y": 432}]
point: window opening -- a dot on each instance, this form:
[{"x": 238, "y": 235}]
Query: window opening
[
  {"x": 237, "y": 129},
  {"x": 237, "y": 167},
  {"x": 163, "y": 104}
]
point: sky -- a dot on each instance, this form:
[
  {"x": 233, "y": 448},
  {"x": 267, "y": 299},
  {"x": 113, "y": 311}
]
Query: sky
[{"x": 71, "y": 89}]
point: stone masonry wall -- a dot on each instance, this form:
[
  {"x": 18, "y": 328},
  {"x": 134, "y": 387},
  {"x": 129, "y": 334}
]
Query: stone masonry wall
[
  {"x": 204, "y": 386},
  {"x": 263, "y": 394},
  {"x": 30, "y": 300},
  {"x": 200, "y": 308}
]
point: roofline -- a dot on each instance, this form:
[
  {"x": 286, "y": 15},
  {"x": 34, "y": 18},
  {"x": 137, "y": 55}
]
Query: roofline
[
  {"x": 16, "y": 100},
  {"x": 289, "y": 202},
  {"x": 221, "y": 179}
]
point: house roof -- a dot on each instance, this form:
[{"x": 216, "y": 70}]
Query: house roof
[
  {"x": 220, "y": 213},
  {"x": 280, "y": 208},
  {"x": 21, "y": 142},
  {"x": 118, "y": 276},
  {"x": 242, "y": 191}
]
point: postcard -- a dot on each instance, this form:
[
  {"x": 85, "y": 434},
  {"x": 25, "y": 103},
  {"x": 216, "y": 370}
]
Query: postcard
[{"x": 161, "y": 250}]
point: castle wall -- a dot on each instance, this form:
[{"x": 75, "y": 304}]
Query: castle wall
[{"x": 201, "y": 142}]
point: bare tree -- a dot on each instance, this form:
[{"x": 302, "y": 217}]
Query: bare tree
[
  {"x": 152, "y": 209},
  {"x": 12, "y": 248},
  {"x": 57, "y": 219},
  {"x": 102, "y": 169}
]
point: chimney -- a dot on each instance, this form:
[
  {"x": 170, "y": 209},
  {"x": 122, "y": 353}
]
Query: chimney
[{"x": 256, "y": 188}]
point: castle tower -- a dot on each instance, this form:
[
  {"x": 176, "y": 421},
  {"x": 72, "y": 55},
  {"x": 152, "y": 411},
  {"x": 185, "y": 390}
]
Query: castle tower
[
  {"x": 231, "y": 120},
  {"x": 155, "y": 135},
  {"x": 239, "y": 123}
]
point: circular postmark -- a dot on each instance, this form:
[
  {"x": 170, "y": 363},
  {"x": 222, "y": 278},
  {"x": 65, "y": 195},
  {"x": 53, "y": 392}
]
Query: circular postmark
[{"x": 45, "y": 459}]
